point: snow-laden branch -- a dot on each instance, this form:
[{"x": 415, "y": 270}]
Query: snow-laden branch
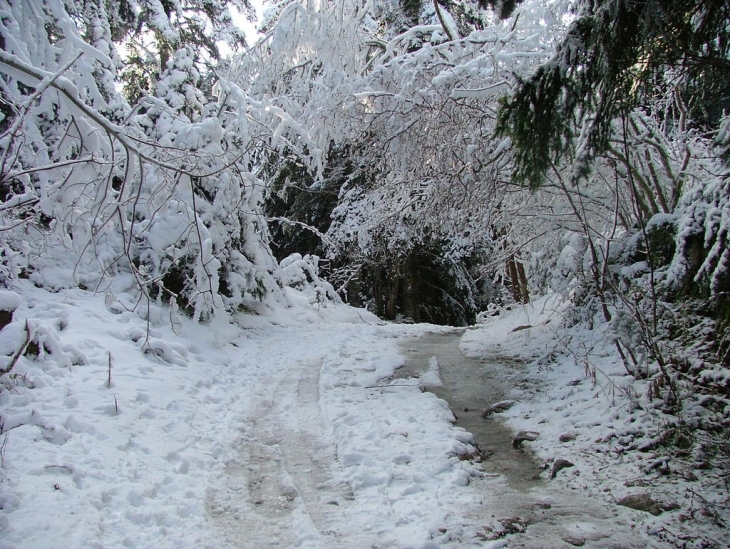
[
  {"x": 309, "y": 228},
  {"x": 410, "y": 34},
  {"x": 486, "y": 92},
  {"x": 447, "y": 22},
  {"x": 34, "y": 76}
]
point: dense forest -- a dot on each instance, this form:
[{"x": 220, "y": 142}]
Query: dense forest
[{"x": 432, "y": 161}]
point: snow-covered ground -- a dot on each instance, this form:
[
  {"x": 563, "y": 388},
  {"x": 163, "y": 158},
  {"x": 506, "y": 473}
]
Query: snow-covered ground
[
  {"x": 575, "y": 392},
  {"x": 221, "y": 436},
  {"x": 284, "y": 430}
]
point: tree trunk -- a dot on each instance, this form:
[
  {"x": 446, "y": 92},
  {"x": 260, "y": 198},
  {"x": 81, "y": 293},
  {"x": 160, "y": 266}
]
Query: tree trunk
[
  {"x": 411, "y": 294},
  {"x": 392, "y": 293},
  {"x": 378, "y": 291},
  {"x": 518, "y": 280},
  {"x": 354, "y": 290}
]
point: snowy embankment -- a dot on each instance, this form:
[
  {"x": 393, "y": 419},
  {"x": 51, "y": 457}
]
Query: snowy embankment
[
  {"x": 277, "y": 432},
  {"x": 574, "y": 392}
]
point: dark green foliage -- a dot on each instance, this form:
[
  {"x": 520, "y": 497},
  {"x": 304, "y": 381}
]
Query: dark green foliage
[
  {"x": 540, "y": 119},
  {"x": 176, "y": 282},
  {"x": 295, "y": 196},
  {"x": 419, "y": 283},
  {"x": 449, "y": 294},
  {"x": 661, "y": 243},
  {"x": 468, "y": 14},
  {"x": 411, "y": 9},
  {"x": 658, "y": 247},
  {"x": 615, "y": 56},
  {"x": 503, "y": 8},
  {"x": 151, "y": 39},
  {"x": 420, "y": 286}
]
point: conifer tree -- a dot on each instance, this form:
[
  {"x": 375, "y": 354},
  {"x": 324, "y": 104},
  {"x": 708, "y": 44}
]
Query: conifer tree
[{"x": 617, "y": 54}]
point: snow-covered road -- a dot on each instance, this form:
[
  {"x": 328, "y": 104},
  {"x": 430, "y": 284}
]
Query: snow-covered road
[
  {"x": 270, "y": 433},
  {"x": 288, "y": 430},
  {"x": 327, "y": 457}
]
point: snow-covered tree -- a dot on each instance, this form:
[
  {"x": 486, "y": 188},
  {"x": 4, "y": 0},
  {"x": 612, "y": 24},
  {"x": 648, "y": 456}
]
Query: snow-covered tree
[
  {"x": 625, "y": 120},
  {"x": 153, "y": 30},
  {"x": 151, "y": 201},
  {"x": 617, "y": 54}
]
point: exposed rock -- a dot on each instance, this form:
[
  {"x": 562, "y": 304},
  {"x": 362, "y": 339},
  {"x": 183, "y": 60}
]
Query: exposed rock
[
  {"x": 498, "y": 408},
  {"x": 574, "y": 541},
  {"x": 6, "y": 317},
  {"x": 9, "y": 301},
  {"x": 523, "y": 436},
  {"x": 567, "y": 437},
  {"x": 689, "y": 475},
  {"x": 644, "y": 502},
  {"x": 559, "y": 465},
  {"x": 503, "y": 527},
  {"x": 520, "y": 328},
  {"x": 637, "y": 482},
  {"x": 660, "y": 466},
  {"x": 513, "y": 525}
]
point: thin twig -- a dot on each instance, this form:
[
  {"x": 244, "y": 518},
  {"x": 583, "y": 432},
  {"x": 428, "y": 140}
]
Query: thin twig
[
  {"x": 20, "y": 351},
  {"x": 394, "y": 385}
]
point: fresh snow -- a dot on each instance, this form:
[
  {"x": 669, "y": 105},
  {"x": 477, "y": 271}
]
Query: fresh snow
[{"x": 285, "y": 429}]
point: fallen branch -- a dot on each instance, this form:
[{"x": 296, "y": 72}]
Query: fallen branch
[{"x": 394, "y": 385}]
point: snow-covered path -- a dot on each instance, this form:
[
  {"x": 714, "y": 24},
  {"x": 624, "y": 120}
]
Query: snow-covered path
[
  {"x": 539, "y": 513},
  {"x": 268, "y": 434},
  {"x": 288, "y": 430},
  {"x": 327, "y": 458},
  {"x": 331, "y": 455}
]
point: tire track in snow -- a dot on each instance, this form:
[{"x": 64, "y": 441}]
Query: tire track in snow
[{"x": 283, "y": 489}]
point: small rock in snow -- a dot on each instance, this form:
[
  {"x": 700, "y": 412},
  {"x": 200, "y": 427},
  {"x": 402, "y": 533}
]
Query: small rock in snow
[
  {"x": 498, "y": 408},
  {"x": 523, "y": 436},
  {"x": 513, "y": 525},
  {"x": 637, "y": 482},
  {"x": 558, "y": 466},
  {"x": 644, "y": 502}
]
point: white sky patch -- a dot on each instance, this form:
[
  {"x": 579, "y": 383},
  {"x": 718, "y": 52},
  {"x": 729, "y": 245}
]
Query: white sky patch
[{"x": 248, "y": 27}]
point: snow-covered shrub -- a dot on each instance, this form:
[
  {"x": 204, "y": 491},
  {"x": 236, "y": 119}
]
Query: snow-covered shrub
[
  {"x": 703, "y": 235},
  {"x": 700, "y": 270},
  {"x": 302, "y": 273},
  {"x": 9, "y": 302},
  {"x": 29, "y": 340}
]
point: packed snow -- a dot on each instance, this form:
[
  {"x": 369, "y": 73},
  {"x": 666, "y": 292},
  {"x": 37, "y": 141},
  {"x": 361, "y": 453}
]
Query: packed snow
[{"x": 271, "y": 433}]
